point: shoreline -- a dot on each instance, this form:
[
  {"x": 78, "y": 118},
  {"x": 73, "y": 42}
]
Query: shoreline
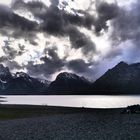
[
  {"x": 33, "y": 122},
  {"x": 13, "y": 111}
]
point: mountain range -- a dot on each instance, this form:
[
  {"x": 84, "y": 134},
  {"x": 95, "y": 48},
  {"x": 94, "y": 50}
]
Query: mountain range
[
  {"x": 19, "y": 83},
  {"x": 121, "y": 79}
]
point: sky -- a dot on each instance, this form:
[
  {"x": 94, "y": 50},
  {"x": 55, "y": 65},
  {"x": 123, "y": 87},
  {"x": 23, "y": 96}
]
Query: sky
[{"x": 86, "y": 37}]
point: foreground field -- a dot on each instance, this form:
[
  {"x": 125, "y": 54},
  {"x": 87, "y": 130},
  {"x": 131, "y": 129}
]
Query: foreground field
[
  {"x": 54, "y": 123},
  {"x": 8, "y": 112}
]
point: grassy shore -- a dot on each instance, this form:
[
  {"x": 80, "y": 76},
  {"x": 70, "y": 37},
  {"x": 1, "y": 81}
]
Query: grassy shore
[
  {"x": 26, "y": 111},
  {"x": 24, "y": 122}
]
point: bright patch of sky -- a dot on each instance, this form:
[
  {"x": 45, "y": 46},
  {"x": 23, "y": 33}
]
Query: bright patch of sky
[
  {"x": 5, "y": 2},
  {"x": 62, "y": 43}
]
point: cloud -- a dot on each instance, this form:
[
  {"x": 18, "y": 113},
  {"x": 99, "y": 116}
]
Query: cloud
[
  {"x": 10, "y": 52},
  {"x": 12, "y": 65},
  {"x": 60, "y": 23},
  {"x": 3, "y": 59},
  {"x": 126, "y": 25},
  {"x": 10, "y": 19},
  {"x": 105, "y": 12},
  {"x": 56, "y": 20},
  {"x": 80, "y": 40},
  {"x": 125, "y": 34},
  {"x": 13, "y": 25},
  {"x": 51, "y": 63},
  {"x": 113, "y": 53},
  {"x": 79, "y": 66},
  {"x": 37, "y": 8}
]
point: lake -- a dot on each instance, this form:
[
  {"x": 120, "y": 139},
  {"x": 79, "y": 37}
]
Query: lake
[{"x": 93, "y": 101}]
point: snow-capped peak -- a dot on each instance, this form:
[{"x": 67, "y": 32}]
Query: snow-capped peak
[
  {"x": 4, "y": 82},
  {"x": 67, "y": 75},
  {"x": 21, "y": 74}
]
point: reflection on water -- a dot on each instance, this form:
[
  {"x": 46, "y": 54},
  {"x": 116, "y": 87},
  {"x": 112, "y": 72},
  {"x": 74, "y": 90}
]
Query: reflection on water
[
  {"x": 2, "y": 99},
  {"x": 76, "y": 101}
]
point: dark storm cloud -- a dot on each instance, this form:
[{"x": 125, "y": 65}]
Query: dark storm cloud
[
  {"x": 80, "y": 40},
  {"x": 53, "y": 14},
  {"x": 37, "y": 8},
  {"x": 79, "y": 66},
  {"x": 32, "y": 5},
  {"x": 13, "y": 65},
  {"x": 10, "y": 52},
  {"x": 60, "y": 23},
  {"x": 51, "y": 64},
  {"x": 21, "y": 47},
  {"x": 125, "y": 36},
  {"x": 10, "y": 19},
  {"x": 127, "y": 25},
  {"x": 56, "y": 21},
  {"x": 3, "y": 59},
  {"x": 53, "y": 21},
  {"x": 13, "y": 25},
  {"x": 105, "y": 12}
]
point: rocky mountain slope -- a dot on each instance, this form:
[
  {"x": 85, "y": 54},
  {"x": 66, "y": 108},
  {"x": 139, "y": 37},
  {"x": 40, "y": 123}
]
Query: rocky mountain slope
[
  {"x": 69, "y": 83},
  {"x": 122, "y": 79},
  {"x": 19, "y": 83}
]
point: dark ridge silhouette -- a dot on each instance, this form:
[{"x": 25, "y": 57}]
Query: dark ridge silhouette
[
  {"x": 122, "y": 79},
  {"x": 68, "y": 83},
  {"x": 19, "y": 83}
]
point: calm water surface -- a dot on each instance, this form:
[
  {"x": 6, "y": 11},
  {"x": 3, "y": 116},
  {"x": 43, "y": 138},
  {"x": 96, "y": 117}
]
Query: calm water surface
[{"x": 76, "y": 101}]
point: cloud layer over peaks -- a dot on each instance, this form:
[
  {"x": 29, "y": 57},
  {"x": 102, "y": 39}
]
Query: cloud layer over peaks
[{"x": 71, "y": 36}]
